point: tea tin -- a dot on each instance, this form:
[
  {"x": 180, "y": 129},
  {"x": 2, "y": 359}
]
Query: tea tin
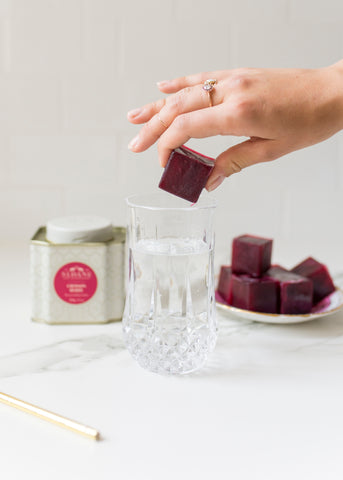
[{"x": 77, "y": 271}]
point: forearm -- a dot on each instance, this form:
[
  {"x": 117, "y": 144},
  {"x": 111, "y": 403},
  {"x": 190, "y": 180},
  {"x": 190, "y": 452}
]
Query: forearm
[{"x": 335, "y": 73}]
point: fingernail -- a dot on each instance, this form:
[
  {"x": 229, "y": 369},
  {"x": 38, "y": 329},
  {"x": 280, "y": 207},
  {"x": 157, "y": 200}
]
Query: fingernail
[
  {"x": 134, "y": 142},
  {"x": 135, "y": 112},
  {"x": 215, "y": 183},
  {"x": 162, "y": 83}
]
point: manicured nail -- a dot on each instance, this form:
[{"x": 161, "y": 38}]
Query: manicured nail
[
  {"x": 163, "y": 83},
  {"x": 134, "y": 113},
  {"x": 134, "y": 142},
  {"x": 215, "y": 183}
]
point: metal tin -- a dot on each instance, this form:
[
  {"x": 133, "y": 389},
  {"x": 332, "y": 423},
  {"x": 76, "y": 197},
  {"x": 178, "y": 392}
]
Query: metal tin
[{"x": 77, "y": 283}]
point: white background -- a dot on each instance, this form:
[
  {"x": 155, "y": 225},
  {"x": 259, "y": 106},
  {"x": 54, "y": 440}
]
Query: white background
[{"x": 70, "y": 70}]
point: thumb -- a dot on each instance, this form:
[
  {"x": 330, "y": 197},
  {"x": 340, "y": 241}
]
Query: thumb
[{"x": 252, "y": 151}]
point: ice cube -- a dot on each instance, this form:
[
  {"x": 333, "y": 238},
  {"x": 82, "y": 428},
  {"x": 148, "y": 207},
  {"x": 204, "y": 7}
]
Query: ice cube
[
  {"x": 296, "y": 292},
  {"x": 256, "y": 294},
  {"x": 251, "y": 255},
  {"x": 186, "y": 173},
  {"x": 320, "y": 276},
  {"x": 224, "y": 283}
]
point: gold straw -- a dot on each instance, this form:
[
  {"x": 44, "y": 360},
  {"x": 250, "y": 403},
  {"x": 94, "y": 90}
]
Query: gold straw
[{"x": 50, "y": 416}]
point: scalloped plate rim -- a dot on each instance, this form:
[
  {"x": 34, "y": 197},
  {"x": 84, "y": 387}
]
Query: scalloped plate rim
[{"x": 284, "y": 319}]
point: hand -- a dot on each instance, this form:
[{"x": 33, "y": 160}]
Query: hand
[{"x": 280, "y": 110}]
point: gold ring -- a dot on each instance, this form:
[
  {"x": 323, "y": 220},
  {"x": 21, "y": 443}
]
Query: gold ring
[
  {"x": 208, "y": 86},
  {"x": 160, "y": 119}
]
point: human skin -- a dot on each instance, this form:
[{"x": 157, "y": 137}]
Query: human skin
[{"x": 279, "y": 110}]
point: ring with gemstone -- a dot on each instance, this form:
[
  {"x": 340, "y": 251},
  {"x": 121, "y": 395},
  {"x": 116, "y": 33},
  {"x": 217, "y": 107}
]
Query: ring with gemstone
[{"x": 208, "y": 86}]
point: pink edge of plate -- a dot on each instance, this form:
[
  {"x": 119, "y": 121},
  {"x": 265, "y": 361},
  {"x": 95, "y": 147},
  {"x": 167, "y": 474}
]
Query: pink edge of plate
[{"x": 321, "y": 307}]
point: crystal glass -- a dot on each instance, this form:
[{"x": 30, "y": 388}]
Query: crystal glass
[{"x": 169, "y": 321}]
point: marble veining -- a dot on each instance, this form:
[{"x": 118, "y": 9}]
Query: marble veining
[
  {"x": 68, "y": 354},
  {"x": 241, "y": 344}
]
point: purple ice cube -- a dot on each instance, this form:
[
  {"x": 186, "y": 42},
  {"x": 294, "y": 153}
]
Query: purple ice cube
[
  {"x": 296, "y": 292},
  {"x": 186, "y": 173},
  {"x": 224, "y": 283},
  {"x": 256, "y": 294},
  {"x": 251, "y": 255},
  {"x": 320, "y": 276}
]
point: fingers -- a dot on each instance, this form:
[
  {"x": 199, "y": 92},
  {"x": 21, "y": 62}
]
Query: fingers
[
  {"x": 143, "y": 114},
  {"x": 196, "y": 124},
  {"x": 217, "y": 120},
  {"x": 172, "y": 86},
  {"x": 185, "y": 100},
  {"x": 242, "y": 155},
  {"x": 189, "y": 99}
]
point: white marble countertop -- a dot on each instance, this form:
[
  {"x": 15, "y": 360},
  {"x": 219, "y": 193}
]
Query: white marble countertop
[{"x": 268, "y": 405}]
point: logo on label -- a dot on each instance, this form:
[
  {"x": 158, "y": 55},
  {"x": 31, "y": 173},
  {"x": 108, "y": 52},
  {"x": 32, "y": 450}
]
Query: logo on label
[{"x": 75, "y": 283}]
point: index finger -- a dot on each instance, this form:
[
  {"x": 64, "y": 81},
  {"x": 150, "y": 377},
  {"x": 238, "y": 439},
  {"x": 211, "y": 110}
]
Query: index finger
[{"x": 172, "y": 86}]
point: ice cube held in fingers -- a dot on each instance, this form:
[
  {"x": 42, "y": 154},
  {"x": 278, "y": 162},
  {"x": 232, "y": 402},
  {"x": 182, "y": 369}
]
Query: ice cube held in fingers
[{"x": 186, "y": 173}]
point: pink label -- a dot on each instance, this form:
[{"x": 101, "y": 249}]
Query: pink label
[{"x": 75, "y": 282}]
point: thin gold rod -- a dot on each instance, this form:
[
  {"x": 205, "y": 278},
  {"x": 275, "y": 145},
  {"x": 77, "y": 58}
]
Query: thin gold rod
[{"x": 50, "y": 416}]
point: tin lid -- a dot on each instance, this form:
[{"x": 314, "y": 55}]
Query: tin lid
[{"x": 79, "y": 229}]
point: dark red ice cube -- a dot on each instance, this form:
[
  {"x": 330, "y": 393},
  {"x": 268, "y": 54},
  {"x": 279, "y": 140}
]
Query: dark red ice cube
[
  {"x": 320, "y": 276},
  {"x": 256, "y": 294},
  {"x": 186, "y": 173},
  {"x": 224, "y": 283},
  {"x": 251, "y": 255},
  {"x": 296, "y": 292}
]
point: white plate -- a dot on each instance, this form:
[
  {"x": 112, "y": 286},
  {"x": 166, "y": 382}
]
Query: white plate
[{"x": 328, "y": 305}]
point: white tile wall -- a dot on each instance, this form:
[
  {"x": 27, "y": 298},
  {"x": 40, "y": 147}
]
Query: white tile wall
[
  {"x": 224, "y": 13},
  {"x": 4, "y": 105},
  {"x": 4, "y": 161},
  {"x": 286, "y": 44},
  {"x": 105, "y": 202},
  {"x": 63, "y": 161},
  {"x": 45, "y": 35},
  {"x": 4, "y": 7},
  {"x": 308, "y": 11},
  {"x": 100, "y": 25},
  {"x": 3, "y": 32},
  {"x": 70, "y": 70},
  {"x": 23, "y": 209},
  {"x": 33, "y": 102},
  {"x": 90, "y": 101}
]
